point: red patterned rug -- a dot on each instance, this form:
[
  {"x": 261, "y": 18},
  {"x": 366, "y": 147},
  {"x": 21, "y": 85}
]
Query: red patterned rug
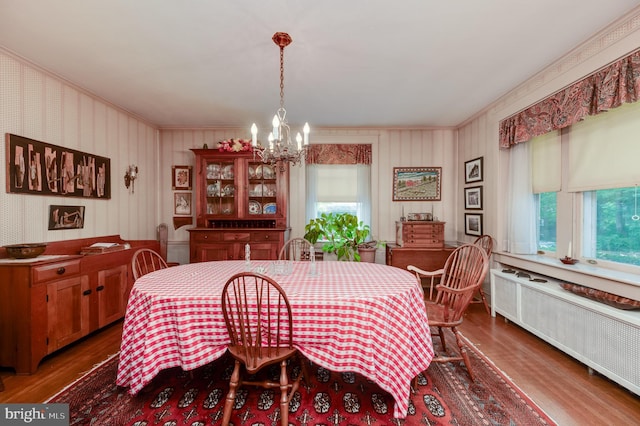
[{"x": 445, "y": 396}]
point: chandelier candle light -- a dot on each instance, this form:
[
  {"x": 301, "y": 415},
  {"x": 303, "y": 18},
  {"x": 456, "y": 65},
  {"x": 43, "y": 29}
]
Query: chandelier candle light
[{"x": 281, "y": 147}]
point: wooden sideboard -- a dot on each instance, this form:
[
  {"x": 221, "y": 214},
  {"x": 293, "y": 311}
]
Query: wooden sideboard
[
  {"x": 424, "y": 258},
  {"x": 60, "y": 296},
  {"x": 418, "y": 243}
]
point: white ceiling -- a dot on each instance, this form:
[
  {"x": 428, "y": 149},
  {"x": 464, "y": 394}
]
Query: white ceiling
[{"x": 200, "y": 63}]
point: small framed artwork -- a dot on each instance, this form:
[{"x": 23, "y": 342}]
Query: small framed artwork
[
  {"x": 181, "y": 177},
  {"x": 66, "y": 217},
  {"x": 182, "y": 203},
  {"x": 417, "y": 183},
  {"x": 473, "y": 224},
  {"x": 473, "y": 198},
  {"x": 473, "y": 170}
]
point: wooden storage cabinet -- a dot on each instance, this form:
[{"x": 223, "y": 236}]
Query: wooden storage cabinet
[
  {"x": 68, "y": 304},
  {"x": 239, "y": 201},
  {"x": 418, "y": 243},
  {"x": 424, "y": 258},
  {"x": 423, "y": 234},
  {"x": 57, "y": 298},
  {"x": 112, "y": 294}
]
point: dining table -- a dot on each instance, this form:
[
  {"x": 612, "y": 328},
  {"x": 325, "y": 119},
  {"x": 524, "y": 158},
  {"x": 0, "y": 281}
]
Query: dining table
[{"x": 358, "y": 317}]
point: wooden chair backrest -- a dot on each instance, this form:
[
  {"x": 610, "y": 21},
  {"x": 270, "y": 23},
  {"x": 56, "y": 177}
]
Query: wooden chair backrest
[
  {"x": 486, "y": 242},
  {"x": 296, "y": 249},
  {"x": 258, "y": 317},
  {"x": 146, "y": 260},
  {"x": 464, "y": 272}
]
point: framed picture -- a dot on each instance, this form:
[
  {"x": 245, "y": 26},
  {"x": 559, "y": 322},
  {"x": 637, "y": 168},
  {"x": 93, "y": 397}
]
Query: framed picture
[
  {"x": 66, "y": 217},
  {"x": 473, "y": 198},
  {"x": 40, "y": 168},
  {"x": 182, "y": 203},
  {"x": 473, "y": 170},
  {"x": 181, "y": 177},
  {"x": 417, "y": 183},
  {"x": 473, "y": 224}
]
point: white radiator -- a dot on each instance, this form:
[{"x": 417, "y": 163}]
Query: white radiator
[{"x": 604, "y": 338}]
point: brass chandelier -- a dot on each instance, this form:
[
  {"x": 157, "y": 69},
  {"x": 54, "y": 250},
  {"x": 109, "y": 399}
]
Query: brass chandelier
[{"x": 281, "y": 147}]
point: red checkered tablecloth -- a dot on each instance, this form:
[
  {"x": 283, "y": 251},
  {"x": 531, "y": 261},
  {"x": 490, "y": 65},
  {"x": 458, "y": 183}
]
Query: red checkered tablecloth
[{"x": 365, "y": 318}]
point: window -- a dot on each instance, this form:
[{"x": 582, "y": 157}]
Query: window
[
  {"x": 339, "y": 188},
  {"x": 582, "y": 192},
  {"x": 611, "y": 225},
  {"x": 546, "y": 230}
]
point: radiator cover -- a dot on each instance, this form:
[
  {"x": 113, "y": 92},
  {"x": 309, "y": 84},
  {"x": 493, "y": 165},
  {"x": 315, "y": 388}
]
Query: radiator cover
[{"x": 604, "y": 338}]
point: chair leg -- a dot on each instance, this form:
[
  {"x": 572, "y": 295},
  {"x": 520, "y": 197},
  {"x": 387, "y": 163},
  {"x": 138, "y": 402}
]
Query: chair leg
[
  {"x": 463, "y": 352},
  {"x": 231, "y": 396},
  {"x": 284, "y": 394},
  {"x": 484, "y": 301},
  {"x": 442, "y": 340}
]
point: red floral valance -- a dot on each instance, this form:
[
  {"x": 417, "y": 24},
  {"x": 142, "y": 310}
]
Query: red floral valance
[
  {"x": 608, "y": 88},
  {"x": 339, "y": 154}
]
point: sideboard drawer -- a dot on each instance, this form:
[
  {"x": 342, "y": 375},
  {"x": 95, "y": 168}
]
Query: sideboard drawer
[
  {"x": 56, "y": 270},
  {"x": 236, "y": 236},
  {"x": 206, "y": 236},
  {"x": 259, "y": 236}
]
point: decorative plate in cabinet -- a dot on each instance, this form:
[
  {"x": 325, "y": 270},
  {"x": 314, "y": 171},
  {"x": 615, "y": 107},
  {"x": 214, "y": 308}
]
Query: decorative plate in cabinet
[
  {"x": 265, "y": 171},
  {"x": 255, "y": 207},
  {"x": 269, "y": 208},
  {"x": 213, "y": 171},
  {"x": 213, "y": 190},
  {"x": 227, "y": 172},
  {"x": 228, "y": 190}
]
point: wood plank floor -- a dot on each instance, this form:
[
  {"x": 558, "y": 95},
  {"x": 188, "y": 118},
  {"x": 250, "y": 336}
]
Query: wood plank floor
[{"x": 558, "y": 383}]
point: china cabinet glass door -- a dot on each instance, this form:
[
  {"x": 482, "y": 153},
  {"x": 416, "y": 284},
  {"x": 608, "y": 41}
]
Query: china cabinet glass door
[
  {"x": 262, "y": 190},
  {"x": 221, "y": 189}
]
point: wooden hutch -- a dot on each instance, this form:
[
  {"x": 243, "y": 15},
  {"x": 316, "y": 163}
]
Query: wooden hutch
[
  {"x": 418, "y": 243},
  {"x": 239, "y": 201}
]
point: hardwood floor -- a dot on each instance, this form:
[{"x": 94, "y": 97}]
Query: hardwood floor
[{"x": 560, "y": 385}]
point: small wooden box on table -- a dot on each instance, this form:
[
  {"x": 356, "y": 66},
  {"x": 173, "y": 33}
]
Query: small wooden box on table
[
  {"x": 418, "y": 243},
  {"x": 55, "y": 299}
]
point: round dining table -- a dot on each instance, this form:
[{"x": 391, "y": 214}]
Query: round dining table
[{"x": 356, "y": 317}]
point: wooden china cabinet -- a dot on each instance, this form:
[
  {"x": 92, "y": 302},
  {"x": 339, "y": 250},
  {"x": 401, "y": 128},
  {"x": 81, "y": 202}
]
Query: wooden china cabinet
[{"x": 239, "y": 201}]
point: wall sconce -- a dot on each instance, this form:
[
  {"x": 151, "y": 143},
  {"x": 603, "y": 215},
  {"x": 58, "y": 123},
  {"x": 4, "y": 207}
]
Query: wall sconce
[{"x": 130, "y": 176}]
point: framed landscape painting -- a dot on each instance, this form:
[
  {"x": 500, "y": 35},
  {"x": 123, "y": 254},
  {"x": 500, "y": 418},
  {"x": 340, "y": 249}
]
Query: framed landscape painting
[{"x": 417, "y": 183}]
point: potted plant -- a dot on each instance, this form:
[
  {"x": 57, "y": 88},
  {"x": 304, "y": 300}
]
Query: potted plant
[{"x": 342, "y": 234}]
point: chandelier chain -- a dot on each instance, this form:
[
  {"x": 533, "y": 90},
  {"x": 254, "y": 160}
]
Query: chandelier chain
[{"x": 281, "y": 77}]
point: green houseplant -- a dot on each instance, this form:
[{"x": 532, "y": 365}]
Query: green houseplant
[{"x": 342, "y": 234}]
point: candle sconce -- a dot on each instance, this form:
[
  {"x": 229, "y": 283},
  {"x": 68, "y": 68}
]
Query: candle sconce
[{"x": 130, "y": 176}]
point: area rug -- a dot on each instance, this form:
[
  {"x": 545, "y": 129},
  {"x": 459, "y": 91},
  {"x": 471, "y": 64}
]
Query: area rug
[{"x": 445, "y": 396}]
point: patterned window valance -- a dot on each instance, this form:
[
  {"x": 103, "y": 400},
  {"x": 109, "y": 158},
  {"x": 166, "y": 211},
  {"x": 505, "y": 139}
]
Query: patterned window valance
[
  {"x": 607, "y": 88},
  {"x": 339, "y": 154}
]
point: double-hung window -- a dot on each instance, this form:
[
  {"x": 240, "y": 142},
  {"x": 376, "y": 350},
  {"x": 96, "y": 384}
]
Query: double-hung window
[{"x": 338, "y": 179}]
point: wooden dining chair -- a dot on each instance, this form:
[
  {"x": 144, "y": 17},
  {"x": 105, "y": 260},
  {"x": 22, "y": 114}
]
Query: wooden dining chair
[
  {"x": 146, "y": 260},
  {"x": 296, "y": 249},
  {"x": 462, "y": 275},
  {"x": 486, "y": 242},
  {"x": 258, "y": 317}
]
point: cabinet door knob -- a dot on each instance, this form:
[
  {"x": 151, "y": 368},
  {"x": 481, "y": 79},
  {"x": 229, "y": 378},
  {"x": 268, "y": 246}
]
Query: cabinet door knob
[
  {"x": 61, "y": 270},
  {"x": 86, "y": 292},
  {"x": 266, "y": 237},
  {"x": 100, "y": 288}
]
